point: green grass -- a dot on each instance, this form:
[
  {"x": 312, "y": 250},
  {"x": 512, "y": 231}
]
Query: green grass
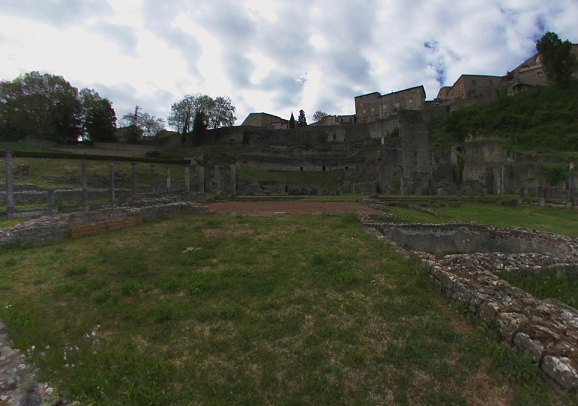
[
  {"x": 551, "y": 284},
  {"x": 73, "y": 168},
  {"x": 540, "y": 120},
  {"x": 302, "y": 178},
  {"x": 19, "y": 146},
  {"x": 214, "y": 309},
  {"x": 559, "y": 221}
]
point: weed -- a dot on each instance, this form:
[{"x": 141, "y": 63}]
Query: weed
[{"x": 76, "y": 271}]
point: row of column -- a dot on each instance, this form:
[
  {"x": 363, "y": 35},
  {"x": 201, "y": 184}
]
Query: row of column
[{"x": 84, "y": 182}]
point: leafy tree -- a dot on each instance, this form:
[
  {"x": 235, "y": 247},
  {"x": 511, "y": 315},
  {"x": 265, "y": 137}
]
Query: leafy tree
[
  {"x": 40, "y": 105},
  {"x": 217, "y": 113},
  {"x": 99, "y": 118},
  {"x": 199, "y": 127},
  {"x": 301, "y": 121},
  {"x": 559, "y": 62},
  {"x": 223, "y": 114},
  {"x": 319, "y": 115}
]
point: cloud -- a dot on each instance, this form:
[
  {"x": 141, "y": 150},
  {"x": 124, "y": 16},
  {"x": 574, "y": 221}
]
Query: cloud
[
  {"x": 123, "y": 35},
  {"x": 125, "y": 97},
  {"x": 59, "y": 13},
  {"x": 159, "y": 17}
]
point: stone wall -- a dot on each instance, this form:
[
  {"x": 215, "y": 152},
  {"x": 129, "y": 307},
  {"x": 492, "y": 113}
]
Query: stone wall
[
  {"x": 546, "y": 330},
  {"x": 49, "y": 228}
]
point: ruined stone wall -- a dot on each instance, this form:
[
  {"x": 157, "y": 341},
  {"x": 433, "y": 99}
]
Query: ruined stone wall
[
  {"x": 49, "y": 228},
  {"x": 412, "y": 153},
  {"x": 546, "y": 330}
]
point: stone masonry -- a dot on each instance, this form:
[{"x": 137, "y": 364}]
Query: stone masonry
[{"x": 547, "y": 330}]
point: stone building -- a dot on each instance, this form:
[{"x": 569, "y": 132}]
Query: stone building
[
  {"x": 336, "y": 120},
  {"x": 532, "y": 73},
  {"x": 470, "y": 87},
  {"x": 374, "y": 106},
  {"x": 266, "y": 121}
]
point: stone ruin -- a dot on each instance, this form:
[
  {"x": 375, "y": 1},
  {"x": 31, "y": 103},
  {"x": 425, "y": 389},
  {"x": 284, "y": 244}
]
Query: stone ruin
[{"x": 465, "y": 259}]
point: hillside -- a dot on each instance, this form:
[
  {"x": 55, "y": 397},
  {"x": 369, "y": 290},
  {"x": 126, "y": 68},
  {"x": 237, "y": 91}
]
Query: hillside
[{"x": 544, "y": 119}]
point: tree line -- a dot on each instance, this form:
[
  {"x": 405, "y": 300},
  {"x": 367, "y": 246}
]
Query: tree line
[{"x": 47, "y": 106}]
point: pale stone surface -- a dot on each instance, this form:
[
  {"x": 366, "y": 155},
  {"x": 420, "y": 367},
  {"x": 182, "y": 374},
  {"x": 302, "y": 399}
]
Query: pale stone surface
[{"x": 562, "y": 370}]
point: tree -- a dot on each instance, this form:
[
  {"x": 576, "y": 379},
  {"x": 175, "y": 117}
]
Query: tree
[
  {"x": 292, "y": 121},
  {"x": 199, "y": 127},
  {"x": 40, "y": 105},
  {"x": 301, "y": 121},
  {"x": 217, "y": 113},
  {"x": 99, "y": 118},
  {"x": 151, "y": 125},
  {"x": 556, "y": 55},
  {"x": 223, "y": 113},
  {"x": 319, "y": 115}
]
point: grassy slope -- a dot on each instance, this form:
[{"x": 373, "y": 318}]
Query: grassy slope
[
  {"x": 298, "y": 309},
  {"x": 544, "y": 119},
  {"x": 560, "y": 221}
]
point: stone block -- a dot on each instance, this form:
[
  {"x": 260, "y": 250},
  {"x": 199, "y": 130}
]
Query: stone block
[
  {"x": 562, "y": 370},
  {"x": 488, "y": 311},
  {"x": 534, "y": 348},
  {"x": 510, "y": 324}
]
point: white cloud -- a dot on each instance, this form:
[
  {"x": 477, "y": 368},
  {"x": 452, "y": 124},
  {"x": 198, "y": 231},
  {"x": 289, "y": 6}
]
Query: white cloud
[{"x": 151, "y": 53}]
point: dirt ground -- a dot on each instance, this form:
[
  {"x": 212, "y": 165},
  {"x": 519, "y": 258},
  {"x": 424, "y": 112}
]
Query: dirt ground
[{"x": 257, "y": 208}]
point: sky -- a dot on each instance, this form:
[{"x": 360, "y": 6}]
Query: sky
[{"x": 271, "y": 56}]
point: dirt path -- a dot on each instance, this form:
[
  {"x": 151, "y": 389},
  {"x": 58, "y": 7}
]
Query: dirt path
[{"x": 257, "y": 208}]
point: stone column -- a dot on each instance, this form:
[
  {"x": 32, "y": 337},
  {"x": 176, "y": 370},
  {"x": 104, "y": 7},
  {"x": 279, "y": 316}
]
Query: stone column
[
  {"x": 168, "y": 180},
  {"x": 485, "y": 192},
  {"x": 522, "y": 193},
  {"x": 51, "y": 202},
  {"x": 84, "y": 182},
  {"x": 543, "y": 200},
  {"x": 503, "y": 185},
  {"x": 153, "y": 186},
  {"x": 187, "y": 179},
  {"x": 133, "y": 180},
  {"x": 112, "y": 197},
  {"x": 233, "y": 182},
  {"x": 9, "y": 190},
  {"x": 202, "y": 179},
  {"x": 440, "y": 193},
  {"x": 217, "y": 180},
  {"x": 571, "y": 183}
]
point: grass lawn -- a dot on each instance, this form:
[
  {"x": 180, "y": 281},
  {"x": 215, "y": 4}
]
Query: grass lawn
[
  {"x": 560, "y": 221},
  {"x": 73, "y": 168},
  {"x": 286, "y": 309}
]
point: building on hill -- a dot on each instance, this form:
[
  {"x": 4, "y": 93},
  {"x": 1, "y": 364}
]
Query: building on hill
[
  {"x": 266, "y": 121},
  {"x": 336, "y": 120},
  {"x": 374, "y": 106},
  {"x": 532, "y": 73},
  {"x": 470, "y": 87}
]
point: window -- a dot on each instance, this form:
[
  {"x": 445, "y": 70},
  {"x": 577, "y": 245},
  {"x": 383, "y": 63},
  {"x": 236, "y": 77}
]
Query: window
[
  {"x": 364, "y": 111},
  {"x": 410, "y": 100},
  {"x": 365, "y": 119},
  {"x": 372, "y": 109},
  {"x": 384, "y": 106},
  {"x": 397, "y": 105},
  {"x": 301, "y": 169}
]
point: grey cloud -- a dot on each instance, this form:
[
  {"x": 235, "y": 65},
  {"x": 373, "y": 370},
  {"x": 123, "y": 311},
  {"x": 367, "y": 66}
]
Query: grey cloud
[
  {"x": 122, "y": 35},
  {"x": 124, "y": 99},
  {"x": 238, "y": 68},
  {"x": 231, "y": 23},
  {"x": 59, "y": 13},
  {"x": 159, "y": 16}
]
